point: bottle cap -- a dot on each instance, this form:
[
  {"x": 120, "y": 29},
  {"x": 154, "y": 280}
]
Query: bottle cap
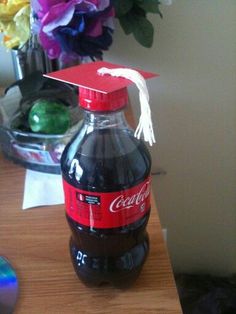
[{"x": 103, "y": 87}]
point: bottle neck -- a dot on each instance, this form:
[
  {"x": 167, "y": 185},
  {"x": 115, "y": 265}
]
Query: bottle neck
[{"x": 103, "y": 120}]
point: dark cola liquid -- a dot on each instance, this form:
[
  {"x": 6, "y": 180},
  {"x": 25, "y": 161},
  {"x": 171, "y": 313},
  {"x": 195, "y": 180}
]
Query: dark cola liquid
[{"x": 109, "y": 160}]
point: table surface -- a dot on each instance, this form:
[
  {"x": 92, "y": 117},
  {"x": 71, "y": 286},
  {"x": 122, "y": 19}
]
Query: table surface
[{"x": 36, "y": 243}]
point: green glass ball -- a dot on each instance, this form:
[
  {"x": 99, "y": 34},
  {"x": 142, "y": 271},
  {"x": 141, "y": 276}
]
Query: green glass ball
[{"x": 49, "y": 116}]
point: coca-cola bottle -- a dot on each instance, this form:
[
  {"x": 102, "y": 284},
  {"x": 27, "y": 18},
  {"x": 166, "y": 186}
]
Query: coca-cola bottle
[{"x": 106, "y": 179}]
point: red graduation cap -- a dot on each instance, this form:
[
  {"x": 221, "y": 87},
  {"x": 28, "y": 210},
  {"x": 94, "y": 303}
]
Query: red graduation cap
[{"x": 98, "y": 92}]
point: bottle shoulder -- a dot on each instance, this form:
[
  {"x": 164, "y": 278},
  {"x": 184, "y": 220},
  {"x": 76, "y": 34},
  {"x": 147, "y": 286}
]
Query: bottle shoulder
[{"x": 108, "y": 159}]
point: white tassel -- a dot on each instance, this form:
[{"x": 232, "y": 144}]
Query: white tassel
[{"x": 145, "y": 121}]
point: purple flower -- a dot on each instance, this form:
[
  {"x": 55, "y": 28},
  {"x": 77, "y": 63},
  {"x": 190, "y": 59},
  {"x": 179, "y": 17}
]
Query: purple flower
[{"x": 75, "y": 27}]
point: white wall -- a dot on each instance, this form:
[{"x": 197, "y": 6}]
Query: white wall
[{"x": 194, "y": 104}]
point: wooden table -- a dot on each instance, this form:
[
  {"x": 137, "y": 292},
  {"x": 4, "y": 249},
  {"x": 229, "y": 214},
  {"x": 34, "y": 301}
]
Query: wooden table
[{"x": 36, "y": 243}]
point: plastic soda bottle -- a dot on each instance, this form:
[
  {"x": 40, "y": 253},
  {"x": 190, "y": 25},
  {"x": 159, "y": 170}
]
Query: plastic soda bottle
[{"x": 106, "y": 179}]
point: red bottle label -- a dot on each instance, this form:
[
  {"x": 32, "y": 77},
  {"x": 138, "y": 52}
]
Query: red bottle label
[{"x": 107, "y": 210}]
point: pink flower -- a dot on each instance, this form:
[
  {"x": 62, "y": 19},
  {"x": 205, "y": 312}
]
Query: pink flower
[{"x": 81, "y": 27}]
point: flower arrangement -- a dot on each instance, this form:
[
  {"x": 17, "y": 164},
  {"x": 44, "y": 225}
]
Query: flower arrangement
[{"x": 68, "y": 29}]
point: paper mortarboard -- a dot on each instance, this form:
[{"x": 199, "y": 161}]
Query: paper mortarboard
[
  {"x": 103, "y": 87},
  {"x": 86, "y": 76}
]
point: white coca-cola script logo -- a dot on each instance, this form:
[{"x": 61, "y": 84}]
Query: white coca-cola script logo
[{"x": 122, "y": 202}]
